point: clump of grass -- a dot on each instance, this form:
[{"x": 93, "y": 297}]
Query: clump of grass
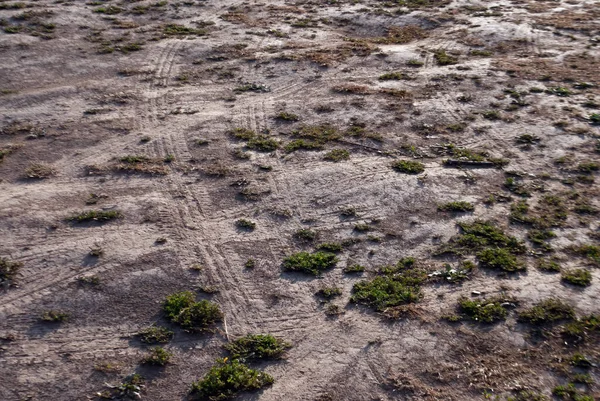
[
  {"x": 580, "y": 277},
  {"x": 588, "y": 167},
  {"x": 257, "y": 346},
  {"x": 548, "y": 265},
  {"x": 95, "y": 215},
  {"x": 158, "y": 356},
  {"x": 39, "y": 171},
  {"x": 89, "y": 280},
  {"x": 141, "y": 164},
  {"x": 443, "y": 58},
  {"x": 262, "y": 143},
  {"x": 155, "y": 335},
  {"x": 332, "y": 247},
  {"x": 500, "y": 259},
  {"x": 478, "y": 235},
  {"x": 392, "y": 76},
  {"x": 362, "y": 227},
  {"x": 396, "y": 285},
  {"x": 250, "y": 264},
  {"x": 547, "y": 311},
  {"x": 54, "y": 316},
  {"x": 337, "y": 155},
  {"x": 408, "y": 166},
  {"x": 329, "y": 292},
  {"x": 313, "y": 263},
  {"x": 415, "y": 63},
  {"x": 459, "y": 206},
  {"x": 245, "y": 224},
  {"x": 304, "y": 234},
  {"x": 228, "y": 378},
  {"x": 592, "y": 252},
  {"x": 182, "y": 308},
  {"x": 579, "y": 330},
  {"x": 181, "y": 30},
  {"x": 285, "y": 116},
  {"x": 9, "y": 270},
  {"x": 301, "y": 144},
  {"x": 109, "y": 10},
  {"x": 354, "y": 268},
  {"x": 484, "y": 311}
]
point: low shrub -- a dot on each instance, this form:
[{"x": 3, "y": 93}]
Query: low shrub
[
  {"x": 226, "y": 379},
  {"x": 182, "y": 308},
  {"x": 580, "y": 277},
  {"x": 155, "y": 335},
  {"x": 500, "y": 259},
  {"x": 547, "y": 311},
  {"x": 158, "y": 356},
  {"x": 257, "y": 346},
  {"x": 313, "y": 263},
  {"x": 408, "y": 166}
]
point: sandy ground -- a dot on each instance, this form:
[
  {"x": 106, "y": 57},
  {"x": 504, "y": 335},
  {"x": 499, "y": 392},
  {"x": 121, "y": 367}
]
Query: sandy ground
[{"x": 76, "y": 96}]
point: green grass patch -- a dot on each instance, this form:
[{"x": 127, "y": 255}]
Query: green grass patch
[
  {"x": 408, "y": 166},
  {"x": 580, "y": 277},
  {"x": 484, "y": 310},
  {"x": 95, "y": 215},
  {"x": 459, "y": 206},
  {"x": 226, "y": 379},
  {"x": 478, "y": 235},
  {"x": 182, "y": 308},
  {"x": 312, "y": 263},
  {"x": 500, "y": 259},
  {"x": 157, "y": 356},
  {"x": 9, "y": 270},
  {"x": 155, "y": 335},
  {"x": 329, "y": 292},
  {"x": 257, "y": 346},
  {"x": 548, "y": 311},
  {"x": 337, "y": 155}
]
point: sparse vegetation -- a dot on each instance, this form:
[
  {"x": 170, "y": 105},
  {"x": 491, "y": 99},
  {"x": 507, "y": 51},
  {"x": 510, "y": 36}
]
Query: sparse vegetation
[
  {"x": 337, "y": 155},
  {"x": 9, "y": 271},
  {"x": 39, "y": 171},
  {"x": 548, "y": 311},
  {"x": 304, "y": 234},
  {"x": 257, "y": 346},
  {"x": 226, "y": 379},
  {"x": 580, "y": 277},
  {"x": 485, "y": 310},
  {"x": 245, "y": 224},
  {"x": 55, "y": 316},
  {"x": 158, "y": 356},
  {"x": 408, "y": 167},
  {"x": 182, "y": 308},
  {"x": 95, "y": 215},
  {"x": 313, "y": 263},
  {"x": 459, "y": 206},
  {"x": 155, "y": 335},
  {"x": 329, "y": 292}
]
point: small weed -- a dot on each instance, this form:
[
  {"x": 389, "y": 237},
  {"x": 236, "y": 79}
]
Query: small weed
[
  {"x": 9, "y": 270},
  {"x": 250, "y": 264},
  {"x": 392, "y": 76},
  {"x": 415, "y": 63},
  {"x": 484, "y": 311},
  {"x": 95, "y": 215},
  {"x": 226, "y": 379},
  {"x": 54, "y": 316},
  {"x": 548, "y": 266},
  {"x": 492, "y": 115},
  {"x": 354, "y": 268},
  {"x": 444, "y": 59},
  {"x": 301, "y": 144},
  {"x": 337, "y": 155},
  {"x": 500, "y": 259},
  {"x": 252, "y": 87},
  {"x": 329, "y": 292},
  {"x": 262, "y": 143},
  {"x": 588, "y": 167},
  {"x": 348, "y": 212},
  {"x": 285, "y": 116},
  {"x": 257, "y": 346},
  {"x": 408, "y": 167},
  {"x": 244, "y": 224},
  {"x": 580, "y": 361},
  {"x": 332, "y": 247},
  {"x": 459, "y": 206},
  {"x": 314, "y": 263},
  {"x": 539, "y": 237},
  {"x": 547, "y": 311},
  {"x": 39, "y": 171},
  {"x": 181, "y": 308},
  {"x": 304, "y": 234},
  {"x": 559, "y": 91},
  {"x": 155, "y": 335},
  {"x": 592, "y": 252},
  {"x": 93, "y": 281},
  {"x": 158, "y": 356},
  {"x": 109, "y": 10},
  {"x": 362, "y": 227},
  {"x": 180, "y": 30},
  {"x": 595, "y": 118},
  {"x": 580, "y": 277}
]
